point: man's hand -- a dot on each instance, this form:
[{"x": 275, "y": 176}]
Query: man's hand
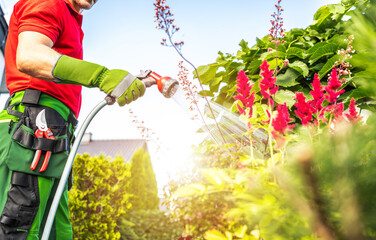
[{"x": 117, "y": 83}]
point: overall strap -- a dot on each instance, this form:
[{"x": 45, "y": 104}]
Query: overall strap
[{"x": 30, "y": 97}]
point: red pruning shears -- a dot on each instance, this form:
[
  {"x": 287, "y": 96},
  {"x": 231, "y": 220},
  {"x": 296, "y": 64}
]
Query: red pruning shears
[{"x": 42, "y": 132}]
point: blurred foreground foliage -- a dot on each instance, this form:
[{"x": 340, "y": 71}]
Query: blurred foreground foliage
[
  {"x": 150, "y": 225},
  {"x": 322, "y": 189}
]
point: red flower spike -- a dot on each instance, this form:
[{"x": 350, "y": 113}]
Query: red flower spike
[
  {"x": 338, "y": 111},
  {"x": 333, "y": 85},
  {"x": 281, "y": 124},
  {"x": 281, "y": 121},
  {"x": 353, "y": 116},
  {"x": 267, "y": 83},
  {"x": 244, "y": 93},
  {"x": 304, "y": 110},
  {"x": 317, "y": 93}
]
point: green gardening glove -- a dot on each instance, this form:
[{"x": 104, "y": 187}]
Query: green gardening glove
[{"x": 118, "y": 84}]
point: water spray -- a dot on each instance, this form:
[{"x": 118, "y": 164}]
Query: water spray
[{"x": 166, "y": 85}]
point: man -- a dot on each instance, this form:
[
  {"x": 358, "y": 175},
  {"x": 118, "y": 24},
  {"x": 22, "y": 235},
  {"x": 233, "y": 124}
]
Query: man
[{"x": 44, "y": 74}]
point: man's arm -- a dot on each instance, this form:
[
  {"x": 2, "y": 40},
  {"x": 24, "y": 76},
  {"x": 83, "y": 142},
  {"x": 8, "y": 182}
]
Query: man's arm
[
  {"x": 35, "y": 55},
  {"x": 36, "y": 58}
]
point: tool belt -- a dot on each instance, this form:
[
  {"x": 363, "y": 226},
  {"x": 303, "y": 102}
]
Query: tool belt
[{"x": 22, "y": 129}]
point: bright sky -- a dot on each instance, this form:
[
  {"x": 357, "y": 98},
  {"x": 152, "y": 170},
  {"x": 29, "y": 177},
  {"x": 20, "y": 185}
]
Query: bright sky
[{"x": 122, "y": 34}]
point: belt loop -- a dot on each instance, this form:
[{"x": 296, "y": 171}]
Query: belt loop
[
  {"x": 31, "y": 97},
  {"x": 8, "y": 101},
  {"x": 72, "y": 120}
]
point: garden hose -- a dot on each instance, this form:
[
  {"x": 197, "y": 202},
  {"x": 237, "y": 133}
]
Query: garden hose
[{"x": 166, "y": 85}]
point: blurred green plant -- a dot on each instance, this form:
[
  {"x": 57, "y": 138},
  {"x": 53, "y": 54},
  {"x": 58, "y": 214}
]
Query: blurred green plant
[
  {"x": 149, "y": 225},
  {"x": 99, "y": 196},
  {"x": 143, "y": 184},
  {"x": 363, "y": 26}
]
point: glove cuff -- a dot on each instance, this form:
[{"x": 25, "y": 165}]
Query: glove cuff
[{"x": 68, "y": 70}]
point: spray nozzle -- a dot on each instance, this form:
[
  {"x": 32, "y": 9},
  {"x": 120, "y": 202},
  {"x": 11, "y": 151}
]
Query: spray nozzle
[{"x": 166, "y": 85}]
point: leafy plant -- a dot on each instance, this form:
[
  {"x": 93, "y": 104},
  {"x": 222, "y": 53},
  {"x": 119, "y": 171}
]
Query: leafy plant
[
  {"x": 98, "y": 197},
  {"x": 308, "y": 51},
  {"x": 293, "y": 196}
]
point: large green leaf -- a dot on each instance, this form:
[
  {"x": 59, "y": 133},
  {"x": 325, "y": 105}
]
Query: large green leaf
[
  {"x": 295, "y": 51},
  {"x": 322, "y": 51},
  {"x": 207, "y": 73},
  {"x": 313, "y": 49},
  {"x": 285, "y": 96},
  {"x": 301, "y": 67},
  {"x": 327, "y": 13},
  {"x": 321, "y": 16},
  {"x": 329, "y": 65},
  {"x": 288, "y": 79},
  {"x": 272, "y": 54}
]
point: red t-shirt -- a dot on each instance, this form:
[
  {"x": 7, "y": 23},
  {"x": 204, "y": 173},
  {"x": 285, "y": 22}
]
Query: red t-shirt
[{"x": 58, "y": 20}]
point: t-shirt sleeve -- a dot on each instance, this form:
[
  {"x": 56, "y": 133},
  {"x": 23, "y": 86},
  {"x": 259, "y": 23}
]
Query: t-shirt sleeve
[{"x": 39, "y": 16}]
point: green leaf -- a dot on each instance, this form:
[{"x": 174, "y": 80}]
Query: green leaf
[
  {"x": 313, "y": 49},
  {"x": 296, "y": 32},
  {"x": 327, "y": 49},
  {"x": 329, "y": 65},
  {"x": 321, "y": 16},
  {"x": 241, "y": 231},
  {"x": 244, "y": 45},
  {"x": 215, "y": 235},
  {"x": 273, "y": 63},
  {"x": 260, "y": 43},
  {"x": 271, "y": 55},
  {"x": 288, "y": 79},
  {"x": 301, "y": 67},
  {"x": 285, "y": 96},
  {"x": 295, "y": 51},
  {"x": 254, "y": 66},
  {"x": 207, "y": 72}
]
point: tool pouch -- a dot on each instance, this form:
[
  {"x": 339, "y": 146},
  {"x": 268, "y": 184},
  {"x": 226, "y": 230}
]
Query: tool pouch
[{"x": 24, "y": 143}]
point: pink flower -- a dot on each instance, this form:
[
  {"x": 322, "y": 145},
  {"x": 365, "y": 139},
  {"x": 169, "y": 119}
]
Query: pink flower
[
  {"x": 267, "y": 83},
  {"x": 317, "y": 94},
  {"x": 333, "y": 85},
  {"x": 353, "y": 116},
  {"x": 244, "y": 93},
  {"x": 304, "y": 110},
  {"x": 335, "y": 109},
  {"x": 338, "y": 111},
  {"x": 281, "y": 124},
  {"x": 281, "y": 121}
]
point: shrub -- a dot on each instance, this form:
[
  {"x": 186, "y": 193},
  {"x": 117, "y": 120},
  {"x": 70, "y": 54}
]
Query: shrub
[
  {"x": 149, "y": 225},
  {"x": 143, "y": 185},
  {"x": 98, "y": 196}
]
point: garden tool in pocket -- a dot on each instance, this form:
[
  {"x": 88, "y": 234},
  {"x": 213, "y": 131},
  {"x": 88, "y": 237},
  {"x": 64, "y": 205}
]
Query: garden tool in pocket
[{"x": 42, "y": 132}]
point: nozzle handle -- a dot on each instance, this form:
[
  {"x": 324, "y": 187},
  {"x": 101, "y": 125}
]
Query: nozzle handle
[{"x": 148, "y": 82}]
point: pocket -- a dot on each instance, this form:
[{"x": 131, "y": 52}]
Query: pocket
[
  {"x": 21, "y": 206},
  {"x": 24, "y": 143}
]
